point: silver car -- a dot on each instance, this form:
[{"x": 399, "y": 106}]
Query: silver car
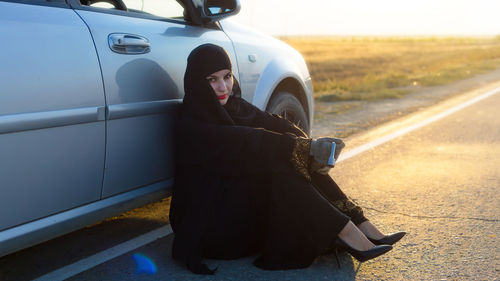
[{"x": 89, "y": 92}]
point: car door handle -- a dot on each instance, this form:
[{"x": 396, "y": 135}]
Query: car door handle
[{"x": 128, "y": 44}]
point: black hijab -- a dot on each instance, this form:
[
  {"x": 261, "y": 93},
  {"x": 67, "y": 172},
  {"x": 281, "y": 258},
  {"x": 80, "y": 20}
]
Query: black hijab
[{"x": 200, "y": 100}]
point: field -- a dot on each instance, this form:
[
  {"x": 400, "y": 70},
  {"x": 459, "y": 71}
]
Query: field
[{"x": 374, "y": 68}]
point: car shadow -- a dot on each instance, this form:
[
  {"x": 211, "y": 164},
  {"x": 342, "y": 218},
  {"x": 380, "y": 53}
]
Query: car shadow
[
  {"x": 145, "y": 80},
  {"x": 46, "y": 257}
]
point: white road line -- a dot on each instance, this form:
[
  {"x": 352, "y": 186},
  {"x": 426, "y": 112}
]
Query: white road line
[
  {"x": 106, "y": 255},
  {"x": 367, "y": 146},
  {"x": 118, "y": 250}
]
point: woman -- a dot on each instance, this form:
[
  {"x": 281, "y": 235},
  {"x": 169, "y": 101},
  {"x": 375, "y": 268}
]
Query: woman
[{"x": 248, "y": 182}]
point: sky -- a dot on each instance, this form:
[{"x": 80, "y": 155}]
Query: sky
[{"x": 372, "y": 17}]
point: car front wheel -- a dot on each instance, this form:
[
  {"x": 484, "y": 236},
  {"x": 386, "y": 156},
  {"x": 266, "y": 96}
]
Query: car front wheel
[{"x": 289, "y": 107}]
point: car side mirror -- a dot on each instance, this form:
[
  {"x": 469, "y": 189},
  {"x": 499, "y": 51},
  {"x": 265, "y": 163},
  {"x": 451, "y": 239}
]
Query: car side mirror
[
  {"x": 206, "y": 11},
  {"x": 216, "y": 8}
]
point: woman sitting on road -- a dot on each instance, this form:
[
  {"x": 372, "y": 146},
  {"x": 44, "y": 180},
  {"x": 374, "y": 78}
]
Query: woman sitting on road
[{"x": 248, "y": 182}]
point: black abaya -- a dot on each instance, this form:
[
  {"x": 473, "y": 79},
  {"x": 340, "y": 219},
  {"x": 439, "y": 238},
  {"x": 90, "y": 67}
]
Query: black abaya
[{"x": 237, "y": 191}]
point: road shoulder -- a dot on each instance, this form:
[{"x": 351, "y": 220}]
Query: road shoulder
[{"x": 349, "y": 118}]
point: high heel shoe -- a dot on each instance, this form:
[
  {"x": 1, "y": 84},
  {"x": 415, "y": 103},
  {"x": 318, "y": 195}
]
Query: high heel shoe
[
  {"x": 389, "y": 239},
  {"x": 362, "y": 255}
]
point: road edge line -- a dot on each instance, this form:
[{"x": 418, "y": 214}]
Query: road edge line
[
  {"x": 372, "y": 144},
  {"x": 106, "y": 255}
]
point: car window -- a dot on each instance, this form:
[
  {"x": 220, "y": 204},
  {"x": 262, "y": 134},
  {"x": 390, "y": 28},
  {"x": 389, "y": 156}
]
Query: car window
[
  {"x": 102, "y": 5},
  {"x": 161, "y": 8}
]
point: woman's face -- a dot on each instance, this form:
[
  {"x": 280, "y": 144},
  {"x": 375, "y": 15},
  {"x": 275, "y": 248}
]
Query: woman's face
[{"x": 222, "y": 83}]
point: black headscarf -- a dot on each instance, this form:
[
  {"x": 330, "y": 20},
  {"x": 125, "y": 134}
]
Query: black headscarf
[{"x": 200, "y": 99}]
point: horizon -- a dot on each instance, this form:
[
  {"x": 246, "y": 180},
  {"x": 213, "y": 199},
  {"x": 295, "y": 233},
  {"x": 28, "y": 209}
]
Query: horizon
[{"x": 426, "y": 18}]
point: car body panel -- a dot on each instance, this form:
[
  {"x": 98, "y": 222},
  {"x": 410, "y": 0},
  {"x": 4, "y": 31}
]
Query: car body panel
[
  {"x": 51, "y": 133},
  {"x": 264, "y": 62},
  {"x": 25, "y": 235}
]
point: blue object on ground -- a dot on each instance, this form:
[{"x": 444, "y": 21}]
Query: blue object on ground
[{"x": 144, "y": 264}]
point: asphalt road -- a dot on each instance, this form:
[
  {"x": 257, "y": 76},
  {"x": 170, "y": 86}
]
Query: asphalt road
[{"x": 440, "y": 183}]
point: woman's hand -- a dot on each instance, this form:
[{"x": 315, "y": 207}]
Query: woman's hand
[
  {"x": 315, "y": 167},
  {"x": 321, "y": 148}
]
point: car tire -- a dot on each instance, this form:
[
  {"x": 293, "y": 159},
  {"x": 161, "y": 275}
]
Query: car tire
[{"x": 289, "y": 107}]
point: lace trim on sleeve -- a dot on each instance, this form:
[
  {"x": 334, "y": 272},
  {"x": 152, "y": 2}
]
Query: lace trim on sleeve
[
  {"x": 300, "y": 156},
  {"x": 346, "y": 206}
]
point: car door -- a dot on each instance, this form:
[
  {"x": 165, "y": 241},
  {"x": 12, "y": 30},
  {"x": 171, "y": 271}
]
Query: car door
[
  {"x": 143, "y": 59},
  {"x": 51, "y": 112}
]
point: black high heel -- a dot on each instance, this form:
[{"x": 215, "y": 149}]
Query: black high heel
[
  {"x": 362, "y": 256},
  {"x": 389, "y": 239}
]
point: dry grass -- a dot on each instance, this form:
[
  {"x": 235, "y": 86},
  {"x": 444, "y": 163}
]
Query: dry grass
[{"x": 365, "y": 68}]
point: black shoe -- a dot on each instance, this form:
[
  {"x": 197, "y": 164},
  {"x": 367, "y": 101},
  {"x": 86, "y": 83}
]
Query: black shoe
[
  {"x": 363, "y": 255},
  {"x": 389, "y": 239}
]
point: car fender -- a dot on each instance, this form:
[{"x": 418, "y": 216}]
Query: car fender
[
  {"x": 275, "y": 72},
  {"x": 269, "y": 61}
]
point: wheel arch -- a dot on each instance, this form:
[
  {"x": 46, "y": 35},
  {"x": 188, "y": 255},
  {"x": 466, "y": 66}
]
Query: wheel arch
[
  {"x": 284, "y": 75},
  {"x": 292, "y": 86}
]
